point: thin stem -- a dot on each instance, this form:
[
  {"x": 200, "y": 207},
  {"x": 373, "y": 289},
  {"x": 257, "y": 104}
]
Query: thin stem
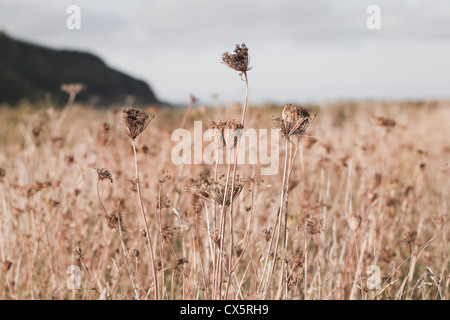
[{"x": 147, "y": 233}]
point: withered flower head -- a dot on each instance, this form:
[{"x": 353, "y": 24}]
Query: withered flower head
[
  {"x": 239, "y": 60},
  {"x": 314, "y": 226},
  {"x": 215, "y": 190},
  {"x": 216, "y": 133},
  {"x": 104, "y": 174},
  {"x": 113, "y": 221},
  {"x": 232, "y": 132},
  {"x": 294, "y": 121},
  {"x": 6, "y": 265},
  {"x": 2, "y": 172},
  {"x": 135, "y": 121},
  {"x": 299, "y": 259},
  {"x": 410, "y": 237},
  {"x": 72, "y": 88}
]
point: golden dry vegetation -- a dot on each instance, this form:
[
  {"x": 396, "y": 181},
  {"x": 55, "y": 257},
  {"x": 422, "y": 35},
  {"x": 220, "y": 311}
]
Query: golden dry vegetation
[{"x": 368, "y": 189}]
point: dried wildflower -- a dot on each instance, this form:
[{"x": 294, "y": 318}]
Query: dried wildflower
[
  {"x": 216, "y": 133},
  {"x": 163, "y": 202},
  {"x": 165, "y": 177},
  {"x": 135, "y": 121},
  {"x": 6, "y": 265},
  {"x": 114, "y": 222},
  {"x": 410, "y": 237},
  {"x": 166, "y": 232},
  {"x": 104, "y": 174},
  {"x": 197, "y": 207},
  {"x": 104, "y": 128},
  {"x": 72, "y": 88},
  {"x": 314, "y": 226},
  {"x": 294, "y": 121},
  {"x": 299, "y": 260},
  {"x": 284, "y": 255},
  {"x": 239, "y": 60},
  {"x": 232, "y": 132},
  {"x": 292, "y": 280},
  {"x": 136, "y": 253},
  {"x": 178, "y": 266},
  {"x": 103, "y": 137},
  {"x": 267, "y": 234},
  {"x": 387, "y": 255},
  {"x": 215, "y": 190},
  {"x": 2, "y": 173}
]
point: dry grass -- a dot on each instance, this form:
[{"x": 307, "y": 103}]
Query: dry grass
[{"x": 369, "y": 186}]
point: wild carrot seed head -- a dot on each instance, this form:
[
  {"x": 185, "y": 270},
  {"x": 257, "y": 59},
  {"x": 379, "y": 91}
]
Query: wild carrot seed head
[
  {"x": 239, "y": 60},
  {"x": 135, "y": 121}
]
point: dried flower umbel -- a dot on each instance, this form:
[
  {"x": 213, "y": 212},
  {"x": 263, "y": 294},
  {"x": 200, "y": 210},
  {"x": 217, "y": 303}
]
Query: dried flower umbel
[
  {"x": 215, "y": 190},
  {"x": 225, "y": 133},
  {"x": 239, "y": 60},
  {"x": 232, "y": 133},
  {"x": 104, "y": 174},
  {"x": 314, "y": 226},
  {"x": 294, "y": 121},
  {"x": 135, "y": 121}
]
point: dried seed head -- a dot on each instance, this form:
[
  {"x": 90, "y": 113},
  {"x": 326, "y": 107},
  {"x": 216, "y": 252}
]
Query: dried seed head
[
  {"x": 215, "y": 190},
  {"x": 299, "y": 260},
  {"x": 267, "y": 234},
  {"x": 216, "y": 133},
  {"x": 294, "y": 121},
  {"x": 6, "y": 265},
  {"x": 136, "y": 253},
  {"x": 114, "y": 222},
  {"x": 387, "y": 255},
  {"x": 239, "y": 60},
  {"x": 410, "y": 237},
  {"x": 72, "y": 88},
  {"x": 314, "y": 226},
  {"x": 104, "y": 174},
  {"x": 163, "y": 202},
  {"x": 197, "y": 207},
  {"x": 135, "y": 121},
  {"x": 2, "y": 173},
  {"x": 232, "y": 132}
]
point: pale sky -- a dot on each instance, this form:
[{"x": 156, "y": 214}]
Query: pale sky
[{"x": 301, "y": 51}]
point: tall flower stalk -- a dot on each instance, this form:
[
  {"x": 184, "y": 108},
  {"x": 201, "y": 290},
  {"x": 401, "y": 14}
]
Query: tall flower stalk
[
  {"x": 239, "y": 60},
  {"x": 292, "y": 124},
  {"x": 134, "y": 123}
]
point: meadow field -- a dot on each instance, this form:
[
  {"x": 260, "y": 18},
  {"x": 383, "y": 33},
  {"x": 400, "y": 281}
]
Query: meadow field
[{"x": 363, "y": 213}]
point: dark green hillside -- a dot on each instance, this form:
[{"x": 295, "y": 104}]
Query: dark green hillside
[{"x": 30, "y": 71}]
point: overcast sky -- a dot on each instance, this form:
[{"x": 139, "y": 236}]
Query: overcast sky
[{"x": 301, "y": 51}]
